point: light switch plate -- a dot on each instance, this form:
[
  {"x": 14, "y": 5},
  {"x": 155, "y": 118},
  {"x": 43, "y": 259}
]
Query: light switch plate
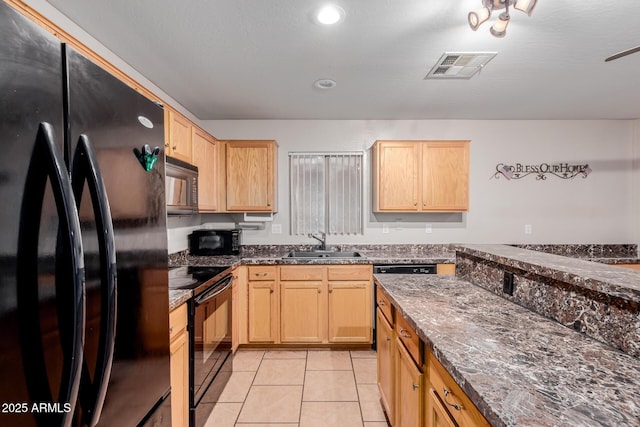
[
  {"x": 276, "y": 228},
  {"x": 428, "y": 229},
  {"x": 528, "y": 229},
  {"x": 385, "y": 229}
]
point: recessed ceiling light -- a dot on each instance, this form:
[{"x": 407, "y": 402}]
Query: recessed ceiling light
[
  {"x": 324, "y": 84},
  {"x": 329, "y": 15}
]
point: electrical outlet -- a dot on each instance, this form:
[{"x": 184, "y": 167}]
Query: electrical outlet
[
  {"x": 528, "y": 229},
  {"x": 507, "y": 283},
  {"x": 385, "y": 229},
  {"x": 276, "y": 228},
  {"x": 428, "y": 229}
]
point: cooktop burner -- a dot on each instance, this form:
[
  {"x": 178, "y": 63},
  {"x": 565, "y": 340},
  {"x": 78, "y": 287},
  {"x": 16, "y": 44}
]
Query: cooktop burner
[{"x": 192, "y": 277}]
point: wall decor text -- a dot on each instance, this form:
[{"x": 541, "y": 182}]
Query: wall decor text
[{"x": 541, "y": 171}]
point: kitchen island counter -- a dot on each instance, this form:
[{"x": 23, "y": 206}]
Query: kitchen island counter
[{"x": 518, "y": 367}]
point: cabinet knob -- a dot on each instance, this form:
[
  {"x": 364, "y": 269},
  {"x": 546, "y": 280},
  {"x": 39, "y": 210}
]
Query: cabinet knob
[
  {"x": 404, "y": 333},
  {"x": 174, "y": 147},
  {"x": 319, "y": 291},
  {"x": 453, "y": 405},
  {"x": 170, "y": 330},
  {"x": 415, "y": 203},
  {"x": 381, "y": 303},
  {"x": 268, "y": 203},
  {"x": 270, "y": 291},
  {"x": 166, "y": 145},
  {"x": 388, "y": 339},
  {"x": 415, "y": 386}
]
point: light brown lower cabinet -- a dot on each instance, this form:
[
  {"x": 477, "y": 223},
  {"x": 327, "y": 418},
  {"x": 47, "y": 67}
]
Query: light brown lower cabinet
[
  {"x": 436, "y": 415},
  {"x": 303, "y": 311},
  {"x": 409, "y": 389},
  {"x": 179, "y": 350},
  {"x": 386, "y": 363}
]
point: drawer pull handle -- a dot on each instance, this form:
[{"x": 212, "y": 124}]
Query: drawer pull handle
[
  {"x": 381, "y": 303},
  {"x": 404, "y": 333},
  {"x": 170, "y": 330},
  {"x": 453, "y": 405},
  {"x": 388, "y": 339},
  {"x": 415, "y": 386},
  {"x": 270, "y": 291}
]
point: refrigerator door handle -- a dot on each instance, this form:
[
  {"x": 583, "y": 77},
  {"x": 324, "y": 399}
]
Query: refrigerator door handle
[
  {"x": 46, "y": 162},
  {"x": 85, "y": 168}
]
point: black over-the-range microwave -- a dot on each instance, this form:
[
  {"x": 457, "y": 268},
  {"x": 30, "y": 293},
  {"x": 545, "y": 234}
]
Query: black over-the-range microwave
[
  {"x": 181, "y": 187},
  {"x": 215, "y": 242}
]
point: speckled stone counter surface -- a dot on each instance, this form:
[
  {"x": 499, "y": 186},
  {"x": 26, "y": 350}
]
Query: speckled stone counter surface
[
  {"x": 177, "y": 297},
  {"x": 610, "y": 280},
  {"x": 603, "y": 253},
  {"x": 519, "y": 368},
  {"x": 371, "y": 254}
]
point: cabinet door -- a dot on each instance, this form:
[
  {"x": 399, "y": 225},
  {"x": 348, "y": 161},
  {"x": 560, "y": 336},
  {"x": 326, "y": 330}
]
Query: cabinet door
[
  {"x": 179, "y": 135},
  {"x": 205, "y": 157},
  {"x": 445, "y": 176},
  {"x": 397, "y": 175},
  {"x": 179, "y": 350},
  {"x": 303, "y": 308},
  {"x": 350, "y": 314},
  {"x": 436, "y": 415},
  {"x": 386, "y": 365},
  {"x": 408, "y": 390},
  {"x": 263, "y": 311},
  {"x": 250, "y": 176}
]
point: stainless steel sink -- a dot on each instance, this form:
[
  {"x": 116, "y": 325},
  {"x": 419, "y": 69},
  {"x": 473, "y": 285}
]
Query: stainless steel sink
[{"x": 323, "y": 254}]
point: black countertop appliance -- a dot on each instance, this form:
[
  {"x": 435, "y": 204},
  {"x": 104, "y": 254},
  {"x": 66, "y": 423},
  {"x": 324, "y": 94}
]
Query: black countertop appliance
[{"x": 83, "y": 254}]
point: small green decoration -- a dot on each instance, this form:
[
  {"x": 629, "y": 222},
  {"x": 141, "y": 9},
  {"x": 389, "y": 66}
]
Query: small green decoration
[{"x": 147, "y": 157}]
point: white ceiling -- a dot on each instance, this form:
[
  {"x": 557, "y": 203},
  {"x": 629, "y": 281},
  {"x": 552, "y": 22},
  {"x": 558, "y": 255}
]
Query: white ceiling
[{"x": 258, "y": 59}]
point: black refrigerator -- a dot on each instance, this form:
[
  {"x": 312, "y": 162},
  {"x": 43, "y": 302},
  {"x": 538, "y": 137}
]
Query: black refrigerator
[{"x": 83, "y": 240}]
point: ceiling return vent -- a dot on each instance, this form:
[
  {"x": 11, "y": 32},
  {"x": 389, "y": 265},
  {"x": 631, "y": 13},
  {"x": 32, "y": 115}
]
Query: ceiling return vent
[{"x": 459, "y": 65}]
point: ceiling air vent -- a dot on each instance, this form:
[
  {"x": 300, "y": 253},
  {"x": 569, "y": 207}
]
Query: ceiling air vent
[{"x": 459, "y": 65}]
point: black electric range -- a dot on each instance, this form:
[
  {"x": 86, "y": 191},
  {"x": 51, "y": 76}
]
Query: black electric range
[
  {"x": 209, "y": 324},
  {"x": 193, "y": 277}
]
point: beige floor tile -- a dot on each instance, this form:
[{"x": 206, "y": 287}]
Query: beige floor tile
[
  {"x": 328, "y": 361},
  {"x": 244, "y": 360},
  {"x": 365, "y": 370},
  {"x": 372, "y": 410},
  {"x": 363, "y": 354},
  {"x": 224, "y": 415},
  {"x": 329, "y": 386},
  {"x": 233, "y": 389},
  {"x": 330, "y": 414},
  {"x": 286, "y": 354},
  {"x": 373, "y": 424},
  {"x": 280, "y": 372},
  {"x": 272, "y": 404},
  {"x": 368, "y": 393},
  {"x": 267, "y": 425}
]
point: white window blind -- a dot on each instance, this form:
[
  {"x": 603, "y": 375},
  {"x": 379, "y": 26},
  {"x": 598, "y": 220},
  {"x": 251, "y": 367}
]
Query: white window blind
[{"x": 326, "y": 193}]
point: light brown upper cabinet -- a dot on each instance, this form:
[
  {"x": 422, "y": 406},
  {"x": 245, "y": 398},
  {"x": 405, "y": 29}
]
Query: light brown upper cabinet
[
  {"x": 251, "y": 176},
  {"x": 177, "y": 135},
  {"x": 206, "y": 158},
  {"x": 420, "y": 176}
]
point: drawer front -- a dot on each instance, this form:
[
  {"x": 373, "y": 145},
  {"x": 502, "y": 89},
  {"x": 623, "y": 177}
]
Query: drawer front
[
  {"x": 302, "y": 272},
  {"x": 453, "y": 398},
  {"x": 177, "y": 321},
  {"x": 349, "y": 272},
  {"x": 383, "y": 303},
  {"x": 262, "y": 272},
  {"x": 409, "y": 338}
]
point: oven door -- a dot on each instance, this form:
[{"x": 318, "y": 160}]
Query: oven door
[{"x": 211, "y": 340}]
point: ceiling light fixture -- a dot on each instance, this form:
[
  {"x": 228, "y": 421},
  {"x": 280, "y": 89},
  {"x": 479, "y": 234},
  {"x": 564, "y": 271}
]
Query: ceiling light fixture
[
  {"x": 324, "y": 84},
  {"x": 329, "y": 15},
  {"x": 499, "y": 28}
]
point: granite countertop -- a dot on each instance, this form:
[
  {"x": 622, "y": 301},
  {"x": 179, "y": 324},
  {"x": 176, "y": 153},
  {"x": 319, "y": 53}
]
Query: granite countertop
[
  {"x": 606, "y": 279},
  {"x": 371, "y": 254},
  {"x": 177, "y": 297},
  {"x": 518, "y": 367}
]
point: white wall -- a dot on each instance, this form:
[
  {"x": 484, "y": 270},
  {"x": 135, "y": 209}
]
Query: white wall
[
  {"x": 635, "y": 187},
  {"x": 598, "y": 209}
]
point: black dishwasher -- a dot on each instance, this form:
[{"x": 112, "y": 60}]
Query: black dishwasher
[{"x": 397, "y": 269}]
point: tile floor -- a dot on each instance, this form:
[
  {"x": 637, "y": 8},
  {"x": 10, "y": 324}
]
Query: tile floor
[{"x": 298, "y": 388}]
